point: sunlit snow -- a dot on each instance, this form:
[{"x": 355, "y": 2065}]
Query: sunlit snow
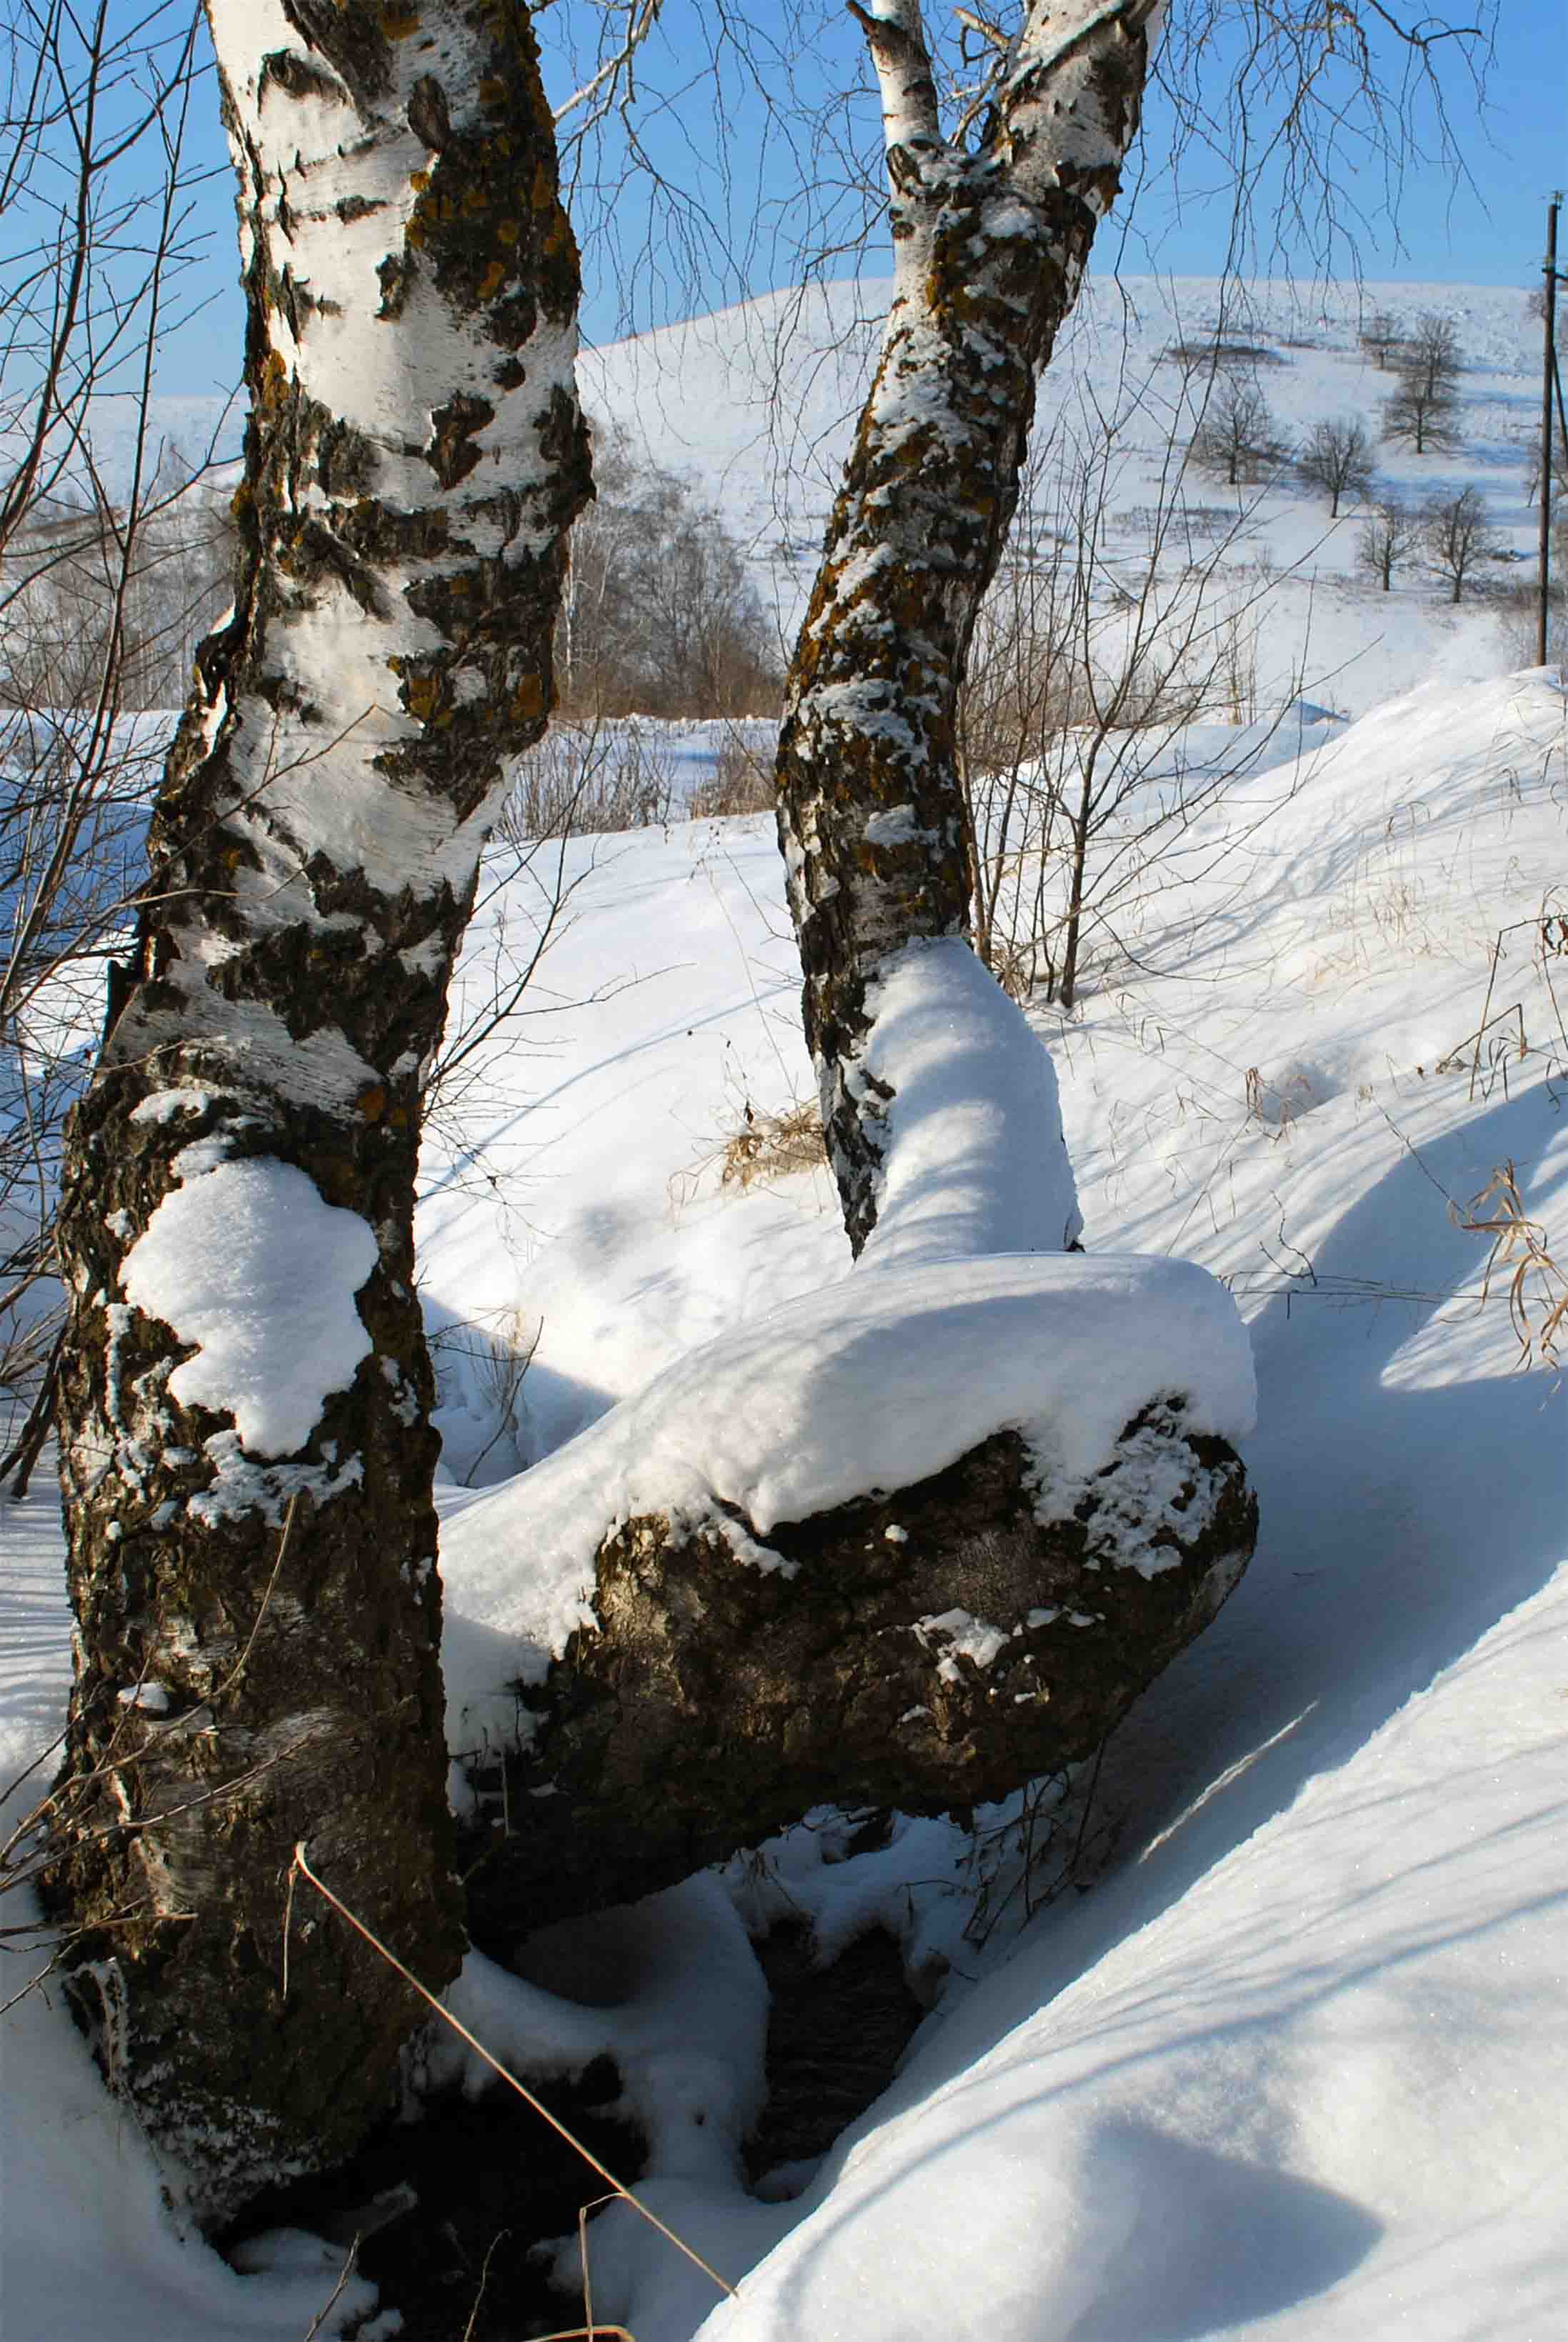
[
  {"x": 1294, "y": 2064},
  {"x": 232, "y": 1256}
]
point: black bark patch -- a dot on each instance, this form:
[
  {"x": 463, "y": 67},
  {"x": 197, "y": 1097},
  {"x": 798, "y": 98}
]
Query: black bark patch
[
  {"x": 298, "y": 78},
  {"x": 427, "y": 116},
  {"x": 452, "y": 453},
  {"x": 346, "y": 32}
]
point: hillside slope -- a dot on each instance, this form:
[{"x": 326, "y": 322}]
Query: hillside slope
[
  {"x": 1297, "y": 2063},
  {"x": 756, "y": 406}
]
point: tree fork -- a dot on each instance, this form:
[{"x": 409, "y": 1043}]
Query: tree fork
[
  {"x": 991, "y": 245},
  {"x": 414, "y": 455}
]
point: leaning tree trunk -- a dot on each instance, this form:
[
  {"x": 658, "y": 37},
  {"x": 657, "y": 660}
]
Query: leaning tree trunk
[
  {"x": 961, "y": 1610},
  {"x": 991, "y": 244},
  {"x": 246, "y": 1451}
]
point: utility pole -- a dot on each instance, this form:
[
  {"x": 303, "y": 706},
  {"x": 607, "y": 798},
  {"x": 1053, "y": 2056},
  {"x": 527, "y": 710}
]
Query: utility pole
[{"x": 1550, "y": 384}]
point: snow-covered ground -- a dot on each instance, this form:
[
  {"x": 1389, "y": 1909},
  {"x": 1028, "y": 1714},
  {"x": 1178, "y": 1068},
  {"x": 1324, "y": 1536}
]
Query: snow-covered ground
[
  {"x": 754, "y": 406},
  {"x": 1298, "y": 2063}
]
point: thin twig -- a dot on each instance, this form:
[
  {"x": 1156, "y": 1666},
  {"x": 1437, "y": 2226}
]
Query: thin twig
[
  {"x": 301, "y": 1866},
  {"x": 325, "y": 2312},
  {"x": 599, "y": 2333},
  {"x": 1088, "y": 1808},
  {"x": 288, "y": 1924},
  {"x": 499, "y": 2238}
]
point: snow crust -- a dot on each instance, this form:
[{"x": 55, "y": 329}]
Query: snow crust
[
  {"x": 229, "y": 1257},
  {"x": 874, "y": 1383}
]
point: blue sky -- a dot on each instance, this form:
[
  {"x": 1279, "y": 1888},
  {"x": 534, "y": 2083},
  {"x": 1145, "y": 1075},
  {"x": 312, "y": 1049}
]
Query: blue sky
[{"x": 1485, "y": 228}]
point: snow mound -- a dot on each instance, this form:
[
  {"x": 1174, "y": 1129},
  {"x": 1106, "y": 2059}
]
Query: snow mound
[
  {"x": 230, "y": 1256},
  {"x": 973, "y": 1156},
  {"x": 668, "y": 1987}
]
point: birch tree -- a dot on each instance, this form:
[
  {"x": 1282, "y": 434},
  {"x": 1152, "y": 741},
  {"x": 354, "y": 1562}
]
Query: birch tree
[
  {"x": 990, "y": 237},
  {"x": 995, "y": 196},
  {"x": 246, "y": 1452}
]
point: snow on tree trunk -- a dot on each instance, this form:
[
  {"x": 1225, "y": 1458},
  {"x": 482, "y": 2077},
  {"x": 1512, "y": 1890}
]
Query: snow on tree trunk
[
  {"x": 246, "y": 1450},
  {"x": 991, "y": 244}
]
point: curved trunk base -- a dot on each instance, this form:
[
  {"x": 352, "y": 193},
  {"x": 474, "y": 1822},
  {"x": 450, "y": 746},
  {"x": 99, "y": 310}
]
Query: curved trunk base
[{"x": 931, "y": 1649}]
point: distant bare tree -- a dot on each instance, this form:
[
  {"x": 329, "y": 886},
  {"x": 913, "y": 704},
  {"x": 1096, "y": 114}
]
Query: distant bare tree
[
  {"x": 1423, "y": 410},
  {"x": 1432, "y": 351},
  {"x": 1389, "y": 536},
  {"x": 1237, "y": 438},
  {"x": 1457, "y": 535},
  {"x": 1337, "y": 458},
  {"x": 1380, "y": 337},
  {"x": 661, "y": 617},
  {"x": 1423, "y": 417}
]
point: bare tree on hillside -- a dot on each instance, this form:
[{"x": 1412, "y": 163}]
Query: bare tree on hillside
[
  {"x": 251, "y": 1559},
  {"x": 1457, "y": 535},
  {"x": 1387, "y": 539},
  {"x": 1382, "y": 336},
  {"x": 1424, "y": 409},
  {"x": 1337, "y": 458},
  {"x": 1237, "y": 438},
  {"x": 1431, "y": 354},
  {"x": 1423, "y": 418}
]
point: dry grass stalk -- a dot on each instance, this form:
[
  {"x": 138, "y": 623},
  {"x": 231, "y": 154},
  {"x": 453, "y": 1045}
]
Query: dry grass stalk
[
  {"x": 499, "y": 2238},
  {"x": 1537, "y": 1286},
  {"x": 330, "y": 2304},
  {"x": 742, "y": 782},
  {"x": 773, "y": 1145},
  {"x": 301, "y": 1869}
]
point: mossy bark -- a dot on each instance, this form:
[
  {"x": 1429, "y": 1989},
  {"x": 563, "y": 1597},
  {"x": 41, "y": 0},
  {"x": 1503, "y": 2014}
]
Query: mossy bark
[
  {"x": 414, "y": 458},
  {"x": 717, "y": 1701},
  {"x": 991, "y": 238}
]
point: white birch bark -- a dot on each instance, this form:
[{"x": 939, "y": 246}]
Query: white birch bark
[
  {"x": 991, "y": 243},
  {"x": 414, "y": 455}
]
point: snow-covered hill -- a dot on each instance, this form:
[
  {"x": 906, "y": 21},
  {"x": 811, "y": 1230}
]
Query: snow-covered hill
[
  {"x": 756, "y": 406},
  {"x": 1298, "y": 2063}
]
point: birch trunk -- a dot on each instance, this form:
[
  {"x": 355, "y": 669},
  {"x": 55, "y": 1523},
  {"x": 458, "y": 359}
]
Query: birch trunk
[
  {"x": 990, "y": 242},
  {"x": 246, "y": 1452}
]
